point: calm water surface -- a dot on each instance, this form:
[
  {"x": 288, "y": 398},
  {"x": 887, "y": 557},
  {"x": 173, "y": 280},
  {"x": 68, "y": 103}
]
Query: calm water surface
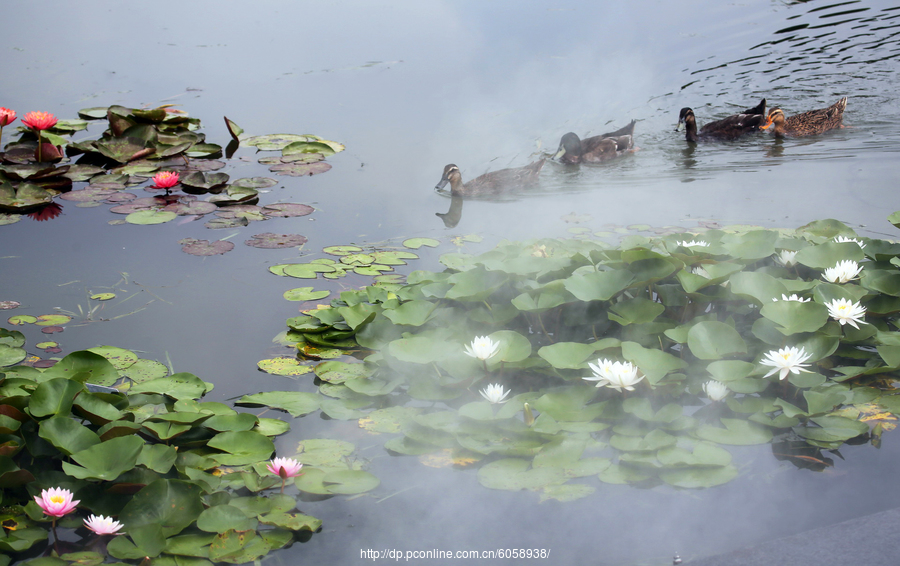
[{"x": 410, "y": 87}]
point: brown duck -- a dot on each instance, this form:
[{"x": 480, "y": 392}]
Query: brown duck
[
  {"x": 732, "y": 127},
  {"x": 808, "y": 123},
  {"x": 493, "y": 183},
  {"x": 596, "y": 149}
]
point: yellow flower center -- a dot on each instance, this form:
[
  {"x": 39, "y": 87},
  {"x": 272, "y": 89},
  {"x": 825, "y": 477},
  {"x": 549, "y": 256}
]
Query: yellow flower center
[{"x": 57, "y": 499}]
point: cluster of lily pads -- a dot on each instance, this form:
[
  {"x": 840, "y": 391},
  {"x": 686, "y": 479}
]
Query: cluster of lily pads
[
  {"x": 163, "y": 143},
  {"x": 104, "y": 443},
  {"x": 637, "y": 363}
]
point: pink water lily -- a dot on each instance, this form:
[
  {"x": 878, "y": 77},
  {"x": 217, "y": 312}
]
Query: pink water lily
[
  {"x": 39, "y": 120},
  {"x": 56, "y": 502},
  {"x": 7, "y": 116},
  {"x": 102, "y": 525},
  {"x": 165, "y": 180},
  {"x": 284, "y": 468}
]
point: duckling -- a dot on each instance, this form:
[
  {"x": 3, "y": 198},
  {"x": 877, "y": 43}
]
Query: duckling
[
  {"x": 732, "y": 127},
  {"x": 597, "y": 148},
  {"x": 808, "y": 123},
  {"x": 495, "y": 182}
]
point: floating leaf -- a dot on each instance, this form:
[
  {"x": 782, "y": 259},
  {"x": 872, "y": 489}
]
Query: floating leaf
[
  {"x": 283, "y": 366},
  {"x": 286, "y": 210},
  {"x": 271, "y": 241},
  {"x": 147, "y": 217},
  {"x": 205, "y": 247}
]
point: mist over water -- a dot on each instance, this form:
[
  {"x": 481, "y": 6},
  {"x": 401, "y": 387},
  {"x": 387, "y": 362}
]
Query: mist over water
[{"x": 409, "y": 88}]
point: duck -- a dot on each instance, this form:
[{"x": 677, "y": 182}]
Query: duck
[
  {"x": 596, "y": 149},
  {"x": 493, "y": 183},
  {"x": 732, "y": 127},
  {"x": 808, "y": 123}
]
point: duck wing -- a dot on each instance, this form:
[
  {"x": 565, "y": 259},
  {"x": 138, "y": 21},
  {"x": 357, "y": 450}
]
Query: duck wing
[{"x": 817, "y": 121}]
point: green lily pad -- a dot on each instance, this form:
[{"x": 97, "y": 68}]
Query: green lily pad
[
  {"x": 283, "y": 366},
  {"x": 147, "y": 217},
  {"x": 305, "y": 294},
  {"x": 416, "y": 243}
]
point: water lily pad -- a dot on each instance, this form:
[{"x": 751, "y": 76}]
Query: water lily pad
[
  {"x": 305, "y": 294},
  {"x": 205, "y": 247},
  {"x": 144, "y": 370},
  {"x": 233, "y": 128},
  {"x": 271, "y": 241},
  {"x": 416, "y": 243},
  {"x": 300, "y": 169},
  {"x": 234, "y": 195},
  {"x": 147, "y": 217},
  {"x": 203, "y": 180},
  {"x": 255, "y": 182},
  {"x": 23, "y": 198},
  {"x": 342, "y": 250},
  {"x": 88, "y": 194},
  {"x": 52, "y": 319},
  {"x": 272, "y": 142},
  {"x": 103, "y": 296},
  {"x": 121, "y": 149},
  {"x": 120, "y": 358},
  {"x": 21, "y": 319},
  {"x": 283, "y": 366},
  {"x": 306, "y": 270},
  {"x": 286, "y": 210},
  {"x": 94, "y": 113},
  {"x": 294, "y": 402},
  {"x": 191, "y": 208}
]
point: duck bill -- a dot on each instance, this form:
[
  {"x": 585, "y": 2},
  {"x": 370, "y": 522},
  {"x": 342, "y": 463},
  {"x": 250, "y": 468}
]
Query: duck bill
[
  {"x": 678, "y": 125},
  {"x": 559, "y": 153},
  {"x": 441, "y": 184},
  {"x": 767, "y": 125}
]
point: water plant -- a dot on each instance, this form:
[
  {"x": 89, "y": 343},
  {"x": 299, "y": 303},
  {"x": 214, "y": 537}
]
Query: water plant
[
  {"x": 753, "y": 334},
  {"x": 141, "y": 455}
]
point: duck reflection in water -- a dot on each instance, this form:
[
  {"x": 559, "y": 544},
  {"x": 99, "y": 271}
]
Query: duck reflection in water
[{"x": 451, "y": 217}]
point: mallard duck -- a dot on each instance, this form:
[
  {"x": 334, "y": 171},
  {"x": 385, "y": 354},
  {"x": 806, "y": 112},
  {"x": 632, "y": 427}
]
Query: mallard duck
[
  {"x": 492, "y": 183},
  {"x": 732, "y": 127},
  {"x": 808, "y": 123},
  {"x": 597, "y": 148}
]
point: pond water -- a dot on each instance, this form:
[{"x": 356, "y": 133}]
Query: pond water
[{"x": 409, "y": 88}]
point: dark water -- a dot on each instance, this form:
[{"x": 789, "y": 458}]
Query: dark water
[{"x": 409, "y": 88}]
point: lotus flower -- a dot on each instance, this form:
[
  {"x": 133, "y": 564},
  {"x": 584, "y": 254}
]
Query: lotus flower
[
  {"x": 845, "y": 312},
  {"x": 785, "y": 361},
  {"x": 616, "y": 375},
  {"x": 715, "y": 390},
  {"x": 494, "y": 393},
  {"x": 102, "y": 525},
  {"x": 165, "y": 180},
  {"x": 284, "y": 468},
  {"x": 39, "y": 121},
  {"x": 7, "y": 116},
  {"x": 56, "y": 502},
  {"x": 482, "y": 347},
  {"x": 843, "y": 272},
  {"x": 787, "y": 258}
]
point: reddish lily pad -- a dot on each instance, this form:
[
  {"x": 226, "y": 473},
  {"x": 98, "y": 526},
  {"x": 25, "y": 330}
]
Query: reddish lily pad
[
  {"x": 287, "y": 210},
  {"x": 189, "y": 208},
  {"x": 255, "y": 182},
  {"x": 205, "y": 247},
  {"x": 88, "y": 194},
  {"x": 206, "y": 165},
  {"x": 120, "y": 196},
  {"x": 271, "y": 241},
  {"x": 6, "y": 305},
  {"x": 300, "y": 169},
  {"x": 52, "y": 329}
]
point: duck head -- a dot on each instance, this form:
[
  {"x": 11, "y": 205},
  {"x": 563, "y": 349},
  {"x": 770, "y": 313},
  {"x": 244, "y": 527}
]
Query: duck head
[
  {"x": 451, "y": 175},
  {"x": 569, "y": 149},
  {"x": 775, "y": 118},
  {"x": 685, "y": 117}
]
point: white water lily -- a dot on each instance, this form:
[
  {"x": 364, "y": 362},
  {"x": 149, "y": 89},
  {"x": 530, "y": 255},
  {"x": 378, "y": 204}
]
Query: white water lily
[
  {"x": 715, "y": 390},
  {"x": 786, "y": 258},
  {"x": 844, "y": 239},
  {"x": 616, "y": 375},
  {"x": 693, "y": 243},
  {"x": 845, "y": 312},
  {"x": 699, "y": 270},
  {"x": 786, "y": 360},
  {"x": 482, "y": 347},
  {"x": 494, "y": 393},
  {"x": 793, "y": 297},
  {"x": 844, "y": 271}
]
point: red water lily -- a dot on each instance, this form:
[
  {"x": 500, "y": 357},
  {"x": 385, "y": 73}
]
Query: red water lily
[
  {"x": 165, "y": 180},
  {"x": 39, "y": 121},
  {"x": 7, "y": 116}
]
